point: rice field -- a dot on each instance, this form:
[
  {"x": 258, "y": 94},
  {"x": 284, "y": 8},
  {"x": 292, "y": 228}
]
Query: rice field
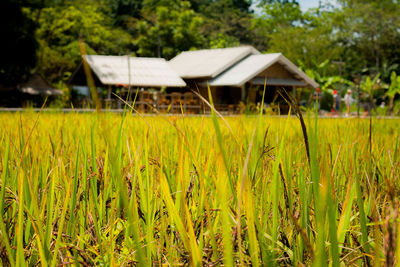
[{"x": 121, "y": 190}]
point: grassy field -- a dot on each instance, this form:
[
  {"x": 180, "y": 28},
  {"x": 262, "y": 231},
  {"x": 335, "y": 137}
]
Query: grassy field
[{"x": 114, "y": 190}]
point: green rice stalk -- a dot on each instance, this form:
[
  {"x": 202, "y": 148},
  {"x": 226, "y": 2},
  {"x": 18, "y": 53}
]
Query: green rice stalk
[{"x": 61, "y": 225}]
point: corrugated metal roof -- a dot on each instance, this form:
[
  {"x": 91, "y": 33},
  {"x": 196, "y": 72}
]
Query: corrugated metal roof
[
  {"x": 153, "y": 72},
  {"x": 251, "y": 66},
  {"x": 244, "y": 70},
  {"x": 208, "y": 63}
]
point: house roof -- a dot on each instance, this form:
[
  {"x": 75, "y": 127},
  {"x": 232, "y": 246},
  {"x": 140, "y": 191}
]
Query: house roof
[
  {"x": 208, "y": 63},
  {"x": 253, "y": 65},
  {"x": 143, "y": 71},
  {"x": 36, "y": 85}
]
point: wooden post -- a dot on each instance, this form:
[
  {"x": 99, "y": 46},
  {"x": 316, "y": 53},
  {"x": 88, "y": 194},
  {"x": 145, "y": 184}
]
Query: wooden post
[{"x": 243, "y": 91}]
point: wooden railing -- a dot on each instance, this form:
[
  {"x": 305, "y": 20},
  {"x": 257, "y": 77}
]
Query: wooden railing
[
  {"x": 187, "y": 103},
  {"x": 157, "y": 102}
]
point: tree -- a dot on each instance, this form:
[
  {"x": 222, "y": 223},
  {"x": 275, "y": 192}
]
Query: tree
[
  {"x": 125, "y": 12},
  {"x": 126, "y": 8},
  {"x": 279, "y": 14},
  {"x": 228, "y": 23},
  {"x": 18, "y": 45},
  {"x": 327, "y": 83},
  {"x": 202, "y": 6},
  {"x": 302, "y": 37},
  {"x": 59, "y": 31},
  {"x": 279, "y": 1},
  {"x": 368, "y": 33},
  {"x": 369, "y": 86},
  {"x": 393, "y": 90},
  {"x": 174, "y": 27}
]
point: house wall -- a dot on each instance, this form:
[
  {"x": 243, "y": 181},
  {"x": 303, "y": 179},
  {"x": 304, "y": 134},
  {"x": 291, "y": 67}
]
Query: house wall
[
  {"x": 276, "y": 71},
  {"x": 223, "y": 95},
  {"x": 233, "y": 95},
  {"x": 253, "y": 93},
  {"x": 271, "y": 92},
  {"x": 220, "y": 95}
]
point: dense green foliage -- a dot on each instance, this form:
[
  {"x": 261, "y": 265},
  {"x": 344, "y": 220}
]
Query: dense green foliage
[
  {"x": 362, "y": 36},
  {"x": 18, "y": 44},
  {"x": 111, "y": 190}
]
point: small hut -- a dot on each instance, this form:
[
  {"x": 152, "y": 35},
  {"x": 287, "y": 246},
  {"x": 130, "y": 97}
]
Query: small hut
[
  {"x": 238, "y": 75},
  {"x": 124, "y": 74},
  {"x": 36, "y": 85},
  {"x": 31, "y": 92}
]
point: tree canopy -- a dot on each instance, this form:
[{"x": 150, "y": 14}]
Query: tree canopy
[
  {"x": 18, "y": 45},
  {"x": 42, "y": 35}
]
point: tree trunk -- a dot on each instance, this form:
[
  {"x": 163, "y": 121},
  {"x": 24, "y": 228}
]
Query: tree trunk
[
  {"x": 391, "y": 103},
  {"x": 373, "y": 104}
]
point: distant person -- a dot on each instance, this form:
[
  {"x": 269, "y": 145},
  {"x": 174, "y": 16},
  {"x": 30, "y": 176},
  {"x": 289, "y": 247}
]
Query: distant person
[
  {"x": 336, "y": 102},
  {"x": 348, "y": 100},
  {"x": 317, "y": 98}
]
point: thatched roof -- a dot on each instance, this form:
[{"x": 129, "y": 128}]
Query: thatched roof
[{"x": 36, "y": 85}]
